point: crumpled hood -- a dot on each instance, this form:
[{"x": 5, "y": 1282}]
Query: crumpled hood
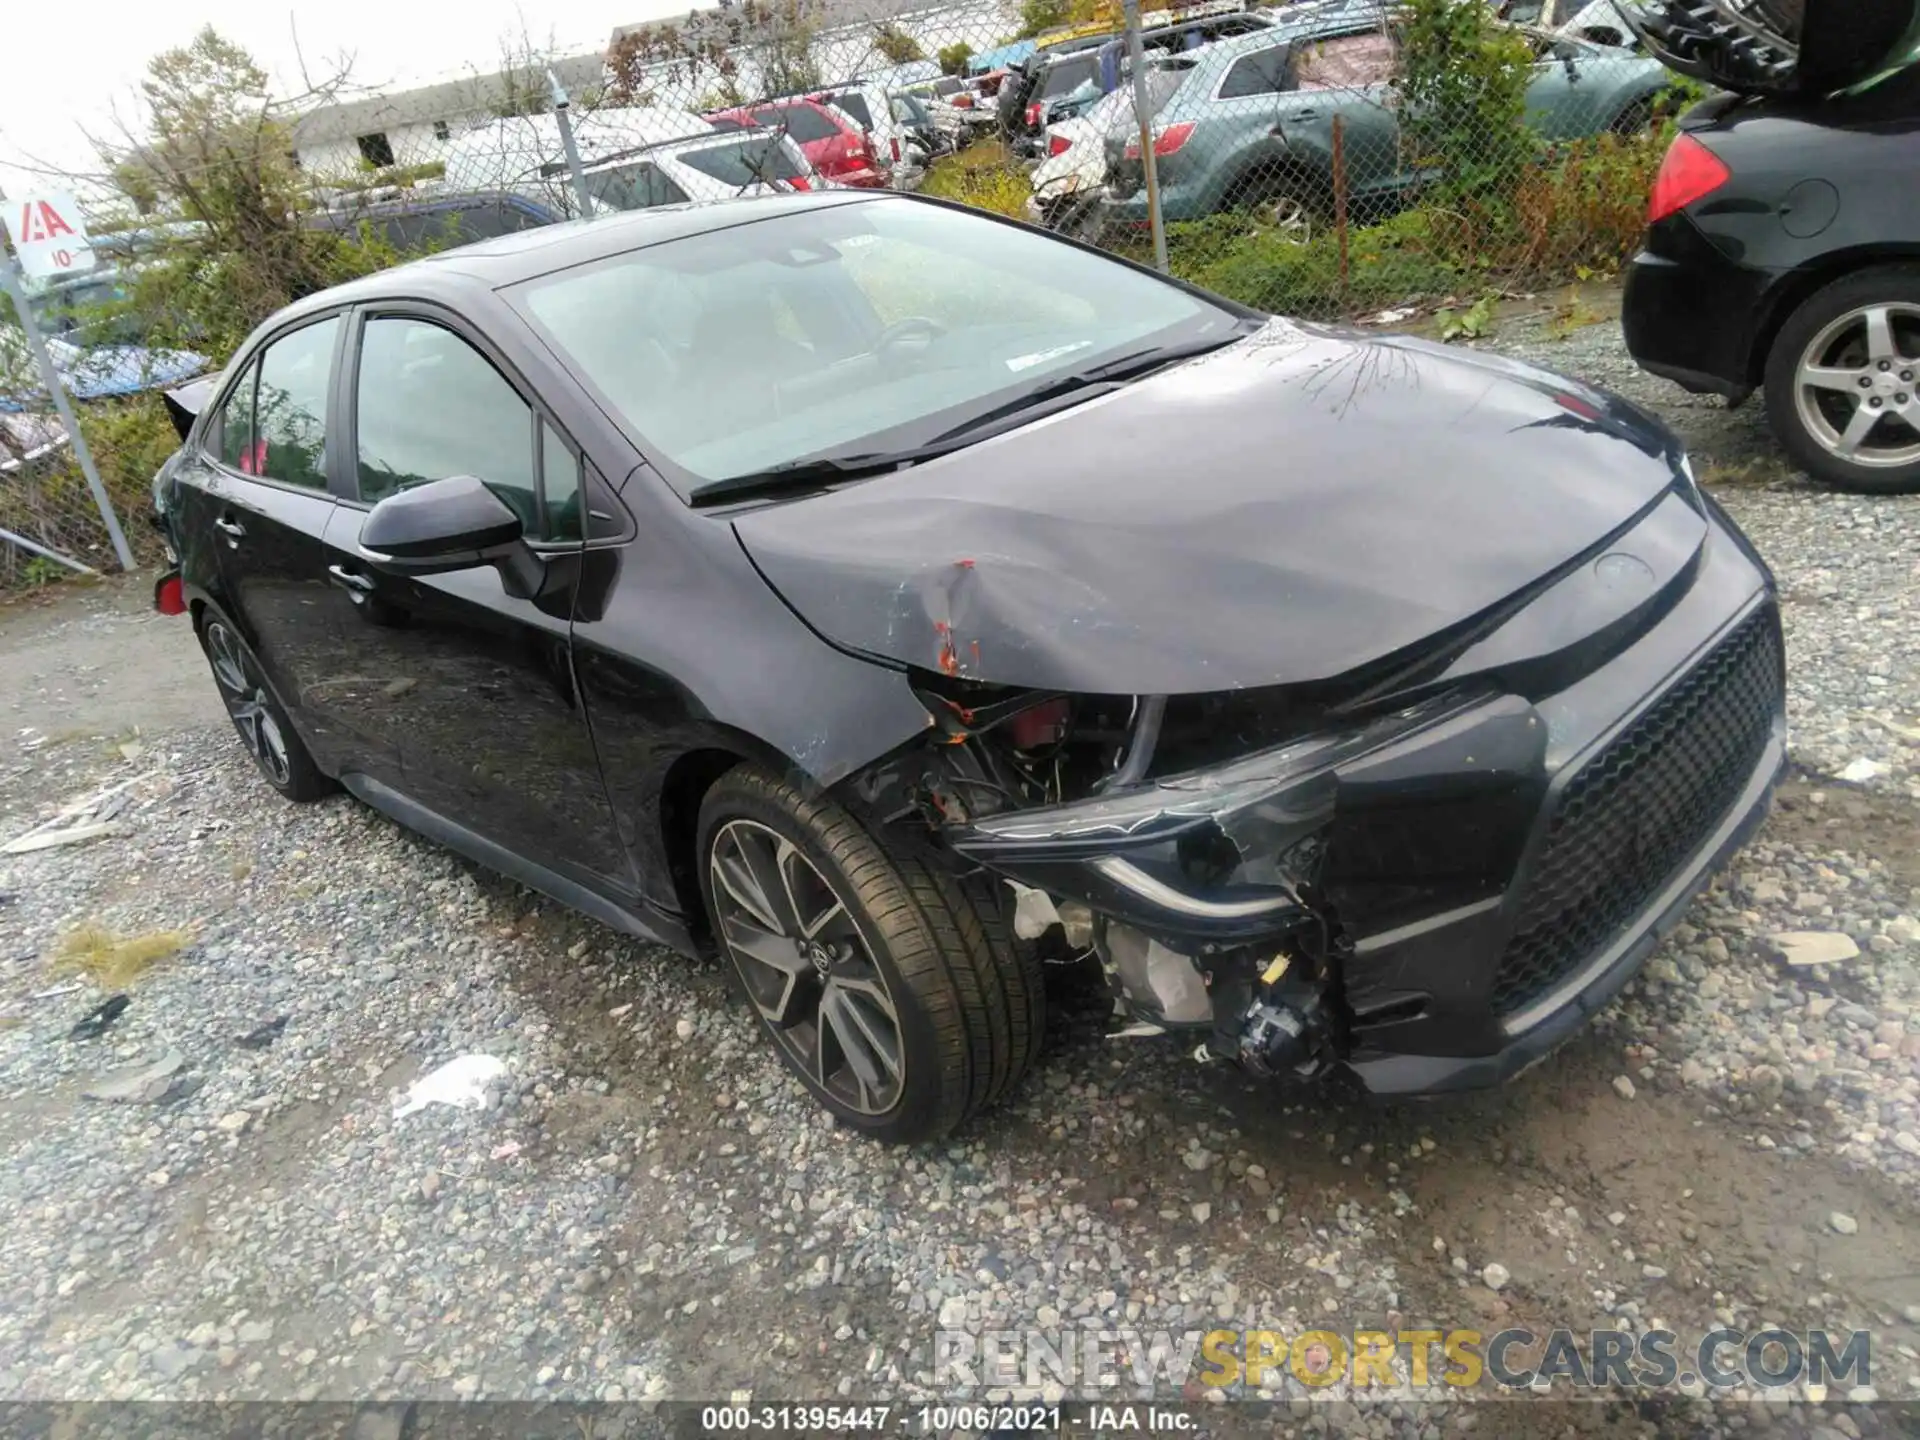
[{"x": 1282, "y": 511}]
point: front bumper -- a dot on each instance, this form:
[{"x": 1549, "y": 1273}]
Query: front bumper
[{"x": 1497, "y": 877}]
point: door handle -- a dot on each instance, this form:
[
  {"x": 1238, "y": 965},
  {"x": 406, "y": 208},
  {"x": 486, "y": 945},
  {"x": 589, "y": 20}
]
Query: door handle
[
  {"x": 230, "y": 527},
  {"x": 350, "y": 579}
]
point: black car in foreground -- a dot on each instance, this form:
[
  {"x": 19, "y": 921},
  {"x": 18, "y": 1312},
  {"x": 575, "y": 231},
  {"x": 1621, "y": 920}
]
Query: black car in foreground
[
  {"x": 1783, "y": 254},
  {"x": 893, "y": 597}
]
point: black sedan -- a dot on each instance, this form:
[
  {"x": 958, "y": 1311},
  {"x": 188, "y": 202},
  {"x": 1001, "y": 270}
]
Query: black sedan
[
  {"x": 895, "y": 597},
  {"x": 1781, "y": 256}
]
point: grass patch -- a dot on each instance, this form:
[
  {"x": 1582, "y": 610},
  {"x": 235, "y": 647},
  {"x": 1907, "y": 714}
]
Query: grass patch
[
  {"x": 1393, "y": 263},
  {"x": 982, "y": 175},
  {"x": 112, "y": 960}
]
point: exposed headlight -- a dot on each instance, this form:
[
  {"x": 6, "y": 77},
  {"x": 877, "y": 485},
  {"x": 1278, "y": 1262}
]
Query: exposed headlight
[{"x": 1219, "y": 846}]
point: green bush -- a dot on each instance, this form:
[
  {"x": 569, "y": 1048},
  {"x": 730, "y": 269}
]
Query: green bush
[
  {"x": 1463, "y": 93},
  {"x": 953, "y": 58},
  {"x": 982, "y": 175},
  {"x": 1396, "y": 262}
]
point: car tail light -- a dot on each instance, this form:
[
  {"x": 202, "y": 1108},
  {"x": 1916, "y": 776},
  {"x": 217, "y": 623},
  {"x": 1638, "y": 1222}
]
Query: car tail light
[
  {"x": 1058, "y": 145},
  {"x": 1165, "y": 142},
  {"x": 1689, "y": 171},
  {"x": 895, "y": 142},
  {"x": 800, "y": 182},
  {"x": 1033, "y": 114},
  {"x": 961, "y": 102},
  {"x": 170, "y": 596}
]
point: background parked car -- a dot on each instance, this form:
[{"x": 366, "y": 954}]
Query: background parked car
[
  {"x": 1252, "y": 123},
  {"x": 430, "y": 219},
  {"x": 955, "y": 108},
  {"x": 1058, "y": 86},
  {"x": 98, "y": 349},
  {"x": 871, "y": 107},
  {"x": 836, "y": 145},
  {"x": 1069, "y": 182},
  {"x": 1780, "y": 255},
  {"x": 718, "y": 165},
  {"x": 524, "y": 154}
]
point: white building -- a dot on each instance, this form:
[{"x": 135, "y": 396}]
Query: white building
[{"x": 419, "y": 126}]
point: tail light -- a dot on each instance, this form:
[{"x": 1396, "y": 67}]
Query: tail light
[
  {"x": 895, "y": 142},
  {"x": 1058, "y": 145},
  {"x": 1165, "y": 142},
  {"x": 961, "y": 102},
  {"x": 1033, "y": 115},
  {"x": 800, "y": 182},
  {"x": 169, "y": 595},
  {"x": 1689, "y": 171}
]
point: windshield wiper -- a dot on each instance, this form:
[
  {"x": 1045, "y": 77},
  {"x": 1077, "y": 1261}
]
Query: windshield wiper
[
  {"x": 815, "y": 473},
  {"x": 820, "y": 471},
  {"x": 1090, "y": 382}
]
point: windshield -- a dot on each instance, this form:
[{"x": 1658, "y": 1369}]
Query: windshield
[
  {"x": 869, "y": 326},
  {"x": 1117, "y": 106}
]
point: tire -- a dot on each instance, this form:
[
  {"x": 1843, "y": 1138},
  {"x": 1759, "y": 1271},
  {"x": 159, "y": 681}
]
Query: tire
[
  {"x": 278, "y": 752},
  {"x": 1290, "y": 208},
  {"x": 967, "y": 1010},
  {"x": 1859, "y": 364}
]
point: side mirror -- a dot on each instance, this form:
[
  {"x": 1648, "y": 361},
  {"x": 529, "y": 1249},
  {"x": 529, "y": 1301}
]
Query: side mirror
[{"x": 447, "y": 525}]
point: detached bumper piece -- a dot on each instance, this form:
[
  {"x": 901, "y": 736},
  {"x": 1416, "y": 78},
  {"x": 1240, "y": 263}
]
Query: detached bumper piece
[{"x": 1435, "y": 900}]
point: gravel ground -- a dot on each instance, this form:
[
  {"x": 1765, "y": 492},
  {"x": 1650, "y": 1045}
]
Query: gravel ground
[{"x": 652, "y": 1210}]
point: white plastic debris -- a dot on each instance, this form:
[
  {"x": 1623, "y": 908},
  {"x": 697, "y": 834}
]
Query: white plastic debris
[
  {"x": 1812, "y": 947},
  {"x": 461, "y": 1082},
  {"x": 1033, "y": 911},
  {"x": 1861, "y": 770}
]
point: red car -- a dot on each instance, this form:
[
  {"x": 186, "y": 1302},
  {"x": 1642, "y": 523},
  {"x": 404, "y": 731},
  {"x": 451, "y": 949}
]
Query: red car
[{"x": 834, "y": 143}]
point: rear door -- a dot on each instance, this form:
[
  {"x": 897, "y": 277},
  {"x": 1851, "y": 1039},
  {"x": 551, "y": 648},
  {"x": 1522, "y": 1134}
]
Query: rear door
[
  {"x": 261, "y": 474},
  {"x": 463, "y": 699}
]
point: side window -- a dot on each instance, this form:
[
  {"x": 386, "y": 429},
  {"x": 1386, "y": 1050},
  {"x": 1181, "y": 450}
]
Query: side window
[
  {"x": 428, "y": 405},
  {"x": 1262, "y": 73},
  {"x": 561, "y": 499},
  {"x": 1346, "y": 62},
  {"x": 855, "y": 105},
  {"x": 236, "y": 425},
  {"x": 634, "y": 187},
  {"x": 802, "y": 122},
  {"x": 290, "y": 419}
]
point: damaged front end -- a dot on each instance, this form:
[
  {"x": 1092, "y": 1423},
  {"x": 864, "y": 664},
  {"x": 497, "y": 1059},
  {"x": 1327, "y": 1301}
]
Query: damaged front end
[{"x": 1216, "y": 895}]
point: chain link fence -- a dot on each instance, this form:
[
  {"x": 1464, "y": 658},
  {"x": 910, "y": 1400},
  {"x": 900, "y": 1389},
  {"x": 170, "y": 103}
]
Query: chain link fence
[{"x": 1323, "y": 158}]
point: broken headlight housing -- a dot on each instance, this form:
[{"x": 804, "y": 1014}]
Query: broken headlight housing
[{"x": 1219, "y": 853}]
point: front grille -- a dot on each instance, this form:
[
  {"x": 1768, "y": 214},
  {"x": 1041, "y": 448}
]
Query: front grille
[{"x": 1639, "y": 808}]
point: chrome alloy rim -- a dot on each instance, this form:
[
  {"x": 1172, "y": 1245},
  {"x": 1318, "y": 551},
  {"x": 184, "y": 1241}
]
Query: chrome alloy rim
[
  {"x": 1857, "y": 386},
  {"x": 245, "y": 694},
  {"x": 805, "y": 967}
]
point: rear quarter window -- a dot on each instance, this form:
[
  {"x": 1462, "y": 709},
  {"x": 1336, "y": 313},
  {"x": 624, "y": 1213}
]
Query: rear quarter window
[{"x": 802, "y": 122}]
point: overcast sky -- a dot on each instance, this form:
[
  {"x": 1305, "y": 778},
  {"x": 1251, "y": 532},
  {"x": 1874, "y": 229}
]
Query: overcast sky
[{"x": 69, "y": 65}]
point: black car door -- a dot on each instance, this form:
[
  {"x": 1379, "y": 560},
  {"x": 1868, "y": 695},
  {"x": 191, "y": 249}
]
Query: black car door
[
  {"x": 463, "y": 698},
  {"x": 256, "y": 503}
]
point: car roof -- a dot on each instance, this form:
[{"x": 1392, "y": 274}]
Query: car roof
[{"x": 488, "y": 265}]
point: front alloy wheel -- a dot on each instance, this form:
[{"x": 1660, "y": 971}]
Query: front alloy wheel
[
  {"x": 270, "y": 740},
  {"x": 888, "y": 985},
  {"x": 805, "y": 967}
]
